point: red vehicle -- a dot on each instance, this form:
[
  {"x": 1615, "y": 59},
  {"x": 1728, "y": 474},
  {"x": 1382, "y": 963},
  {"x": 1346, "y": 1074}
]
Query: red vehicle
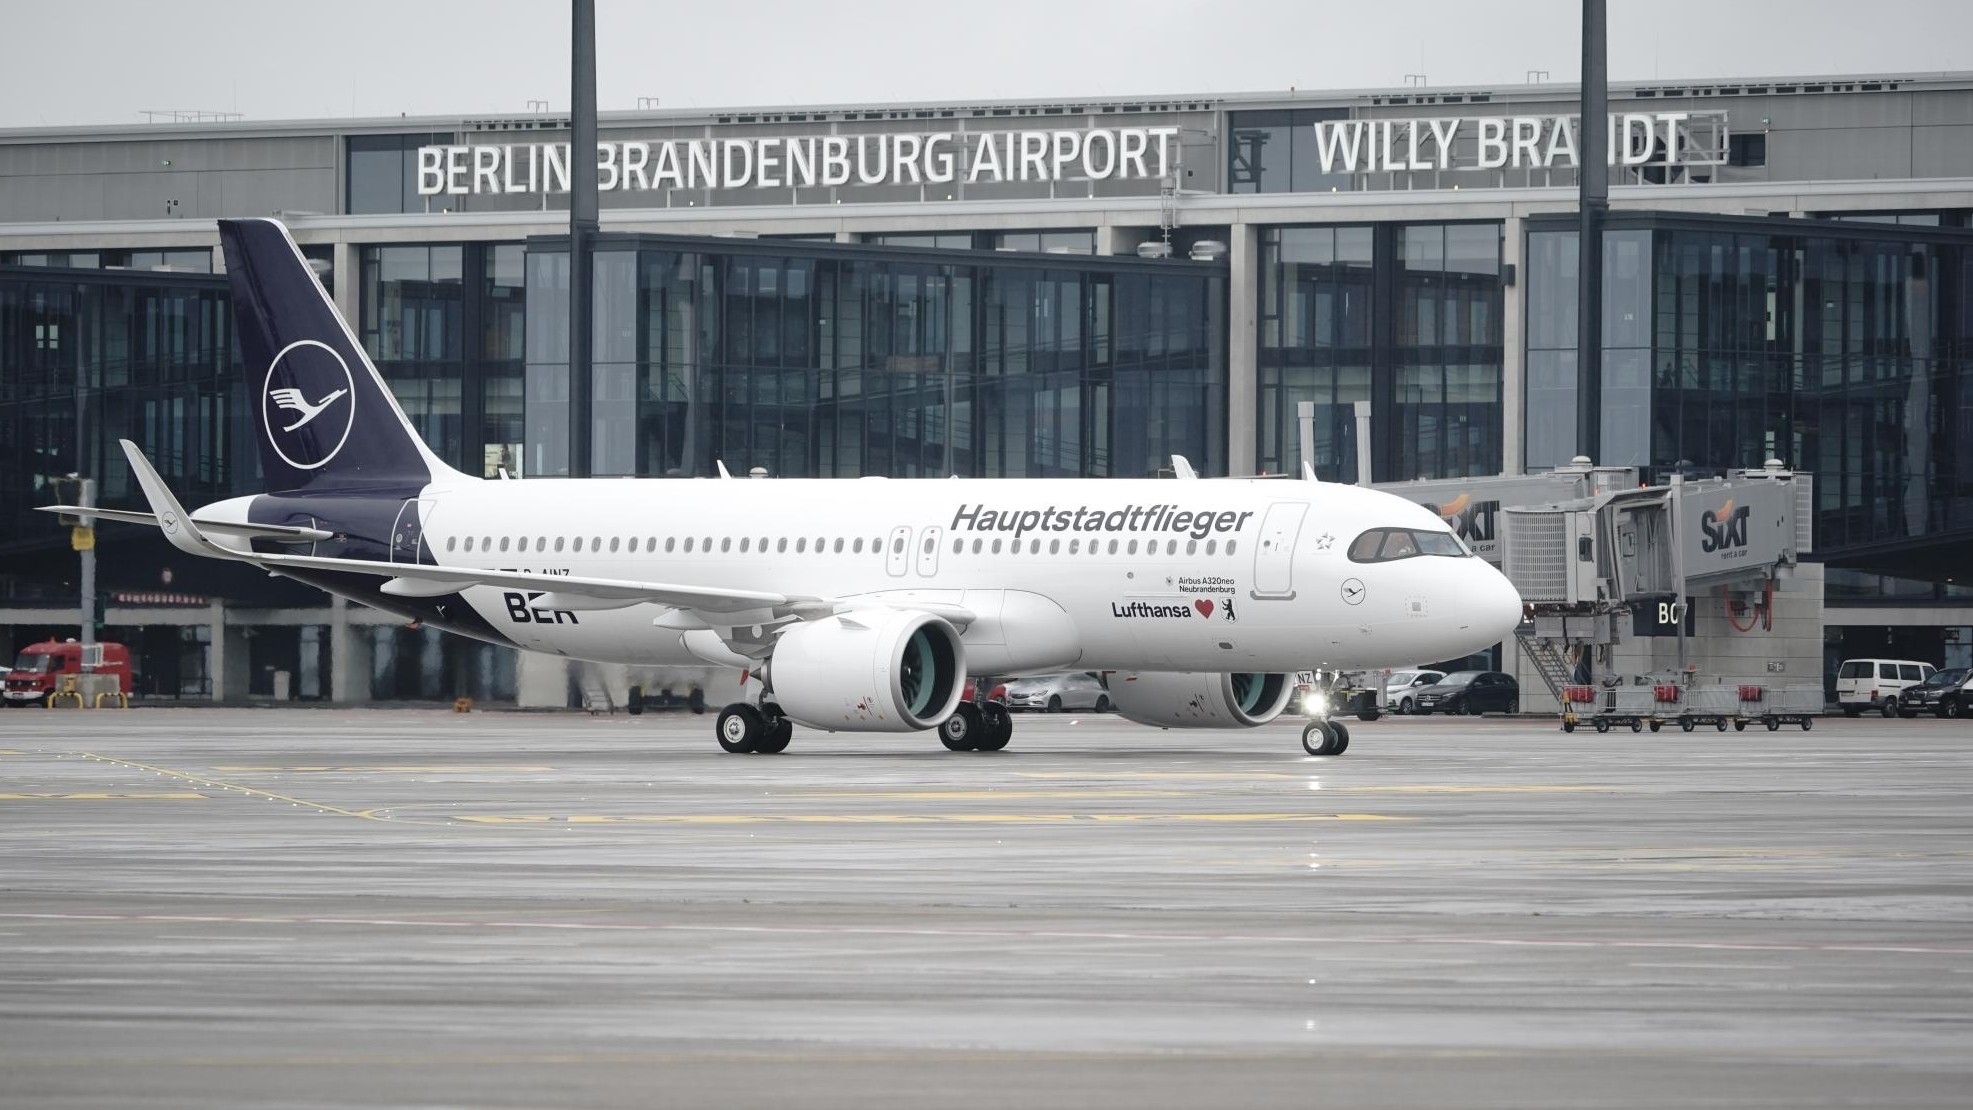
[{"x": 39, "y": 670}]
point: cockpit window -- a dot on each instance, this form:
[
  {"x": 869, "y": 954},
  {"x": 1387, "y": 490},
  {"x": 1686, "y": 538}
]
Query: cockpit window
[{"x": 1383, "y": 545}]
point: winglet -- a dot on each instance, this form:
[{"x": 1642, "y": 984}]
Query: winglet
[{"x": 175, "y": 522}]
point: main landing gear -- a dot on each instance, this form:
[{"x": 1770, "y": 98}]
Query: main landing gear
[
  {"x": 1325, "y": 737},
  {"x": 977, "y": 728},
  {"x": 742, "y": 728}
]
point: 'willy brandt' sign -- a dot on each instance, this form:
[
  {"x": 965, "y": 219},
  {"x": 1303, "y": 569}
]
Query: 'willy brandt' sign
[
  {"x": 807, "y": 161},
  {"x": 1515, "y": 142}
]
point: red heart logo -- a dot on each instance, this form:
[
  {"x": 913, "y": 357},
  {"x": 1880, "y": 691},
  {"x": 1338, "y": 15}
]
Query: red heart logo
[{"x": 1204, "y": 606}]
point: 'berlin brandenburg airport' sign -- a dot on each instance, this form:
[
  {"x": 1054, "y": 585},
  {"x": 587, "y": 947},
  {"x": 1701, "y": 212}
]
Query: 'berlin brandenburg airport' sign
[{"x": 1096, "y": 154}]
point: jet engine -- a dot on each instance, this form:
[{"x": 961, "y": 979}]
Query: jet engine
[
  {"x": 870, "y": 670},
  {"x": 1170, "y": 699}
]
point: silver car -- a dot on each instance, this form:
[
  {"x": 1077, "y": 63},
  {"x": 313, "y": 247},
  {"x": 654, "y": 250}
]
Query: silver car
[
  {"x": 1400, "y": 685},
  {"x": 1057, "y": 692}
]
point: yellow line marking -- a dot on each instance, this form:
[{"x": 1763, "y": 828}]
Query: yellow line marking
[
  {"x": 186, "y": 795},
  {"x": 217, "y": 784},
  {"x": 911, "y": 818},
  {"x": 996, "y": 795},
  {"x": 446, "y": 769}
]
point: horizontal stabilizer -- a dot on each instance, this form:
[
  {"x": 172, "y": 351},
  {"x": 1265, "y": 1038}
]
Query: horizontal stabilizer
[{"x": 280, "y": 533}]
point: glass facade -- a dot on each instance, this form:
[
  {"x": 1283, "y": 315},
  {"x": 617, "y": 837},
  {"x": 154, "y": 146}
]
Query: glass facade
[
  {"x": 1844, "y": 349},
  {"x": 1275, "y": 152},
  {"x": 380, "y": 173},
  {"x": 1404, "y": 316},
  {"x": 88, "y": 357},
  {"x": 817, "y": 361}
]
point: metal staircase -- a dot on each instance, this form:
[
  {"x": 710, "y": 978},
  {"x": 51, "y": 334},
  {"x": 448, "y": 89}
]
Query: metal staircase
[{"x": 1550, "y": 661}]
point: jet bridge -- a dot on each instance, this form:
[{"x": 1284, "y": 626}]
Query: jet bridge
[{"x": 1602, "y": 560}]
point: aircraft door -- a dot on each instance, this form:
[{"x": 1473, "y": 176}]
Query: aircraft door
[
  {"x": 1274, "y": 557},
  {"x": 897, "y": 551},
  {"x": 409, "y": 530},
  {"x": 928, "y": 550}
]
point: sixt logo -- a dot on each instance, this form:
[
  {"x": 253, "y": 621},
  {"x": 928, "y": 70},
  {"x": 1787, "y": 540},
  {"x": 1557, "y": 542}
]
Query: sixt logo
[
  {"x": 1472, "y": 520},
  {"x": 1725, "y": 528}
]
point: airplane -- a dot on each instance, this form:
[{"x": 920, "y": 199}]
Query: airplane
[{"x": 858, "y": 604}]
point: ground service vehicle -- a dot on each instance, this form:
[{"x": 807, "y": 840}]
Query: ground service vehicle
[
  {"x": 39, "y": 669},
  {"x": 1944, "y": 694},
  {"x": 1401, "y": 685},
  {"x": 1473, "y": 692},
  {"x": 1057, "y": 692},
  {"x": 1876, "y": 683}
]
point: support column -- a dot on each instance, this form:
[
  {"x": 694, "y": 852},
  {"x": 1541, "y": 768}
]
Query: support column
[
  {"x": 1242, "y": 349},
  {"x": 1513, "y": 351},
  {"x": 347, "y": 274},
  {"x": 349, "y": 657},
  {"x": 216, "y": 648}
]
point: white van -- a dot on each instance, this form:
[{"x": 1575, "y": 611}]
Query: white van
[{"x": 1874, "y": 683}]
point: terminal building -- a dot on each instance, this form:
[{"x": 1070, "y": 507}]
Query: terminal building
[{"x": 1031, "y": 289}]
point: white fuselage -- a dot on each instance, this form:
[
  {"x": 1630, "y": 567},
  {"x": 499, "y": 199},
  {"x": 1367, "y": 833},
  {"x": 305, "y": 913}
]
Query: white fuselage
[{"x": 1209, "y": 575}]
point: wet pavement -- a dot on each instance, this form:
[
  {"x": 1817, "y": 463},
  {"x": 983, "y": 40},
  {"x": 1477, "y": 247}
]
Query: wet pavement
[{"x": 327, "y": 908}]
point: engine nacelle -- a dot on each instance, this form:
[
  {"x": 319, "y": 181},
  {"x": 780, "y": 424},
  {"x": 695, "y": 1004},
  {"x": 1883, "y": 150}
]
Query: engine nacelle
[
  {"x": 1170, "y": 699},
  {"x": 870, "y": 670}
]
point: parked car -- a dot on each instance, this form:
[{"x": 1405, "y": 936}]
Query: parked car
[
  {"x": 1400, "y": 686},
  {"x": 1056, "y": 692},
  {"x": 1876, "y": 683},
  {"x": 1946, "y": 693},
  {"x": 1474, "y": 692}
]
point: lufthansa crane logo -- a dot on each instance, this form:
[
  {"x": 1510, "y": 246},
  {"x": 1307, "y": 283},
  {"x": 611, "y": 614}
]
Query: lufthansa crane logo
[{"x": 308, "y": 404}]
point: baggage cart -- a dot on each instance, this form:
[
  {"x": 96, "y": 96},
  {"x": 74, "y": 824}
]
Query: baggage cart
[
  {"x": 1796, "y": 705},
  {"x": 1718, "y": 706}
]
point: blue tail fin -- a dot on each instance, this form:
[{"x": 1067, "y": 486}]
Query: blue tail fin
[{"x": 322, "y": 414}]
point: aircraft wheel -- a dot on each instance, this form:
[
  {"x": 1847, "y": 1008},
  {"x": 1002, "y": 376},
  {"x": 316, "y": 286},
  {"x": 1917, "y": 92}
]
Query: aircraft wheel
[
  {"x": 997, "y": 727},
  {"x": 780, "y": 730},
  {"x": 1602, "y": 725},
  {"x": 740, "y": 728},
  {"x": 962, "y": 731},
  {"x": 1318, "y": 738},
  {"x": 1342, "y": 737}
]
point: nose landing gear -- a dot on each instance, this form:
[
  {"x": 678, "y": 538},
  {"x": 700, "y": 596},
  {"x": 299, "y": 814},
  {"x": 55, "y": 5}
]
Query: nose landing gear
[{"x": 1325, "y": 737}]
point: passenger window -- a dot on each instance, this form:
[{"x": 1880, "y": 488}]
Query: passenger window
[
  {"x": 839, "y": 545},
  {"x": 541, "y": 543},
  {"x": 1054, "y": 546},
  {"x": 613, "y": 545},
  {"x": 1034, "y": 547},
  {"x": 996, "y": 547},
  {"x": 958, "y": 546},
  {"x": 451, "y": 542},
  {"x": 743, "y": 545},
  {"x": 469, "y": 543},
  {"x": 781, "y": 545},
  {"x": 1113, "y": 547},
  {"x": 1230, "y": 545},
  {"x": 1075, "y": 546},
  {"x": 1191, "y": 547},
  {"x": 688, "y": 545},
  {"x": 558, "y": 544},
  {"x": 1212, "y": 547},
  {"x": 929, "y": 544},
  {"x": 897, "y": 545},
  {"x": 1909, "y": 672},
  {"x": 977, "y": 544},
  {"x": 671, "y": 544},
  {"x": 763, "y": 545},
  {"x": 726, "y": 543},
  {"x": 1884, "y": 670}
]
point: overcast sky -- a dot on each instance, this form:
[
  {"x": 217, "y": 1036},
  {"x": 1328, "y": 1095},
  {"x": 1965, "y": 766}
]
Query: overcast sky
[{"x": 105, "y": 61}]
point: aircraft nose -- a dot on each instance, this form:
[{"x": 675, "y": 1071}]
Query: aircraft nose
[{"x": 1493, "y": 602}]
